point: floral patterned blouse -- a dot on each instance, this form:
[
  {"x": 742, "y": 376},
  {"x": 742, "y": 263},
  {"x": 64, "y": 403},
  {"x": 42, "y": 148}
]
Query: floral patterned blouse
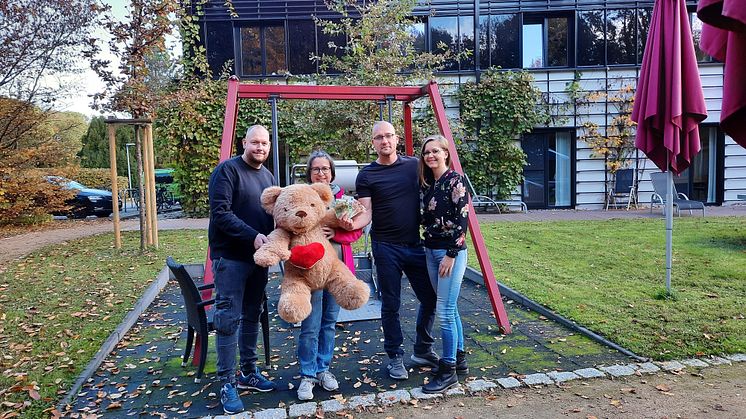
[{"x": 445, "y": 209}]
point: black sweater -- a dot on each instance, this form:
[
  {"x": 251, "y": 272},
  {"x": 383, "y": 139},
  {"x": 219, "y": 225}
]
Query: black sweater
[{"x": 236, "y": 213}]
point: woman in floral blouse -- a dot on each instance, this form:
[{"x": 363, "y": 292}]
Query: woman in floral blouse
[{"x": 445, "y": 211}]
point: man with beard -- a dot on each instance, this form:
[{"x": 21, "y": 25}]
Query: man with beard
[
  {"x": 238, "y": 226},
  {"x": 389, "y": 190}
]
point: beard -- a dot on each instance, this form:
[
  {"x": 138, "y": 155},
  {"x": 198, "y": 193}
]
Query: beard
[{"x": 253, "y": 161}]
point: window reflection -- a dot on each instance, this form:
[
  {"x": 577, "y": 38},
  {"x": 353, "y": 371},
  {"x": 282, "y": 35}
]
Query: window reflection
[
  {"x": 533, "y": 45},
  {"x": 274, "y": 46},
  {"x": 301, "y": 45},
  {"x": 251, "y": 52},
  {"x": 466, "y": 41},
  {"x": 219, "y": 41},
  {"x": 332, "y": 45},
  {"x": 505, "y": 39},
  {"x": 643, "y": 24},
  {"x": 444, "y": 37},
  {"x": 591, "y": 37},
  {"x": 417, "y": 30},
  {"x": 697, "y": 35},
  {"x": 621, "y": 42},
  {"x": 557, "y": 36}
]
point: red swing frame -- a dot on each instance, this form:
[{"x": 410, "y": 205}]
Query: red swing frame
[{"x": 407, "y": 95}]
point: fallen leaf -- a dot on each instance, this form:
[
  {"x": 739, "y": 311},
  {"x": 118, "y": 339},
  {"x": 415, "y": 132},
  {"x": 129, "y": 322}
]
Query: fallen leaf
[{"x": 663, "y": 388}]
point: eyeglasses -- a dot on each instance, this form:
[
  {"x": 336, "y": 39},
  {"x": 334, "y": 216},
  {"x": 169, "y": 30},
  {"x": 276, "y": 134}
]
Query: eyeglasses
[
  {"x": 319, "y": 170},
  {"x": 388, "y": 136},
  {"x": 434, "y": 152}
]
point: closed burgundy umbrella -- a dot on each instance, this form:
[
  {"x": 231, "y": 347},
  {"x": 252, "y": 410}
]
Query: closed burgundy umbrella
[
  {"x": 669, "y": 104},
  {"x": 724, "y": 37}
]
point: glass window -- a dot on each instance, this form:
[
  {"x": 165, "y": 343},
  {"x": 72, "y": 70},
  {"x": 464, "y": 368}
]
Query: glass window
[
  {"x": 696, "y": 25},
  {"x": 499, "y": 41},
  {"x": 466, "y": 41},
  {"x": 485, "y": 43},
  {"x": 331, "y": 45},
  {"x": 533, "y": 45},
  {"x": 643, "y": 23},
  {"x": 262, "y": 50},
  {"x": 591, "y": 37},
  {"x": 219, "y": 46},
  {"x": 444, "y": 37},
  {"x": 274, "y": 47},
  {"x": 545, "y": 42},
  {"x": 557, "y": 39},
  {"x": 417, "y": 30},
  {"x": 560, "y": 161},
  {"x": 621, "y": 42},
  {"x": 251, "y": 52},
  {"x": 301, "y": 44}
]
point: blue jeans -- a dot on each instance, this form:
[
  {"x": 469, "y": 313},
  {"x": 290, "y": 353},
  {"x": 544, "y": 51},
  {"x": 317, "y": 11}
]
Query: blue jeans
[
  {"x": 446, "y": 310},
  {"x": 391, "y": 260},
  {"x": 239, "y": 292},
  {"x": 316, "y": 343}
]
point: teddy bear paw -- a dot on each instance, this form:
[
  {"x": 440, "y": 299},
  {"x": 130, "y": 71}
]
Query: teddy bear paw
[
  {"x": 266, "y": 258},
  {"x": 294, "y": 311}
]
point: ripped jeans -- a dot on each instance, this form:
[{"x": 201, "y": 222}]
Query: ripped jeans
[{"x": 239, "y": 289}]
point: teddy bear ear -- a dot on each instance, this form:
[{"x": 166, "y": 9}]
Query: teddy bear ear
[
  {"x": 324, "y": 191},
  {"x": 269, "y": 197}
]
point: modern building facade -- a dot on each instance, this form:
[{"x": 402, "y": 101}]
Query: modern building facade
[{"x": 596, "y": 44}]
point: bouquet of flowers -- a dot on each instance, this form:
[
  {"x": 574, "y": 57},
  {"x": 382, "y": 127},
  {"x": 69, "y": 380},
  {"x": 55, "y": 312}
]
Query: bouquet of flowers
[{"x": 347, "y": 205}]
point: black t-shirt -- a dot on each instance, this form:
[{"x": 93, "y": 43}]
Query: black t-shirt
[
  {"x": 394, "y": 192},
  {"x": 236, "y": 213}
]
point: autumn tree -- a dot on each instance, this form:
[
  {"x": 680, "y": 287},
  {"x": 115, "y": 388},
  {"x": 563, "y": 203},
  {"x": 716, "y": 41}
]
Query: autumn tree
[
  {"x": 134, "y": 40},
  {"x": 39, "y": 41}
]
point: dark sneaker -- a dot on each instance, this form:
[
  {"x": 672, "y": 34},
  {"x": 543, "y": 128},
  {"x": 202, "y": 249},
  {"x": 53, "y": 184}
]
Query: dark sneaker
[
  {"x": 425, "y": 360},
  {"x": 232, "y": 404},
  {"x": 255, "y": 381},
  {"x": 396, "y": 368}
]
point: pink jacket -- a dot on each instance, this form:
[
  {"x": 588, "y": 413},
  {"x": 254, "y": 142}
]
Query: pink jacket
[{"x": 345, "y": 238}]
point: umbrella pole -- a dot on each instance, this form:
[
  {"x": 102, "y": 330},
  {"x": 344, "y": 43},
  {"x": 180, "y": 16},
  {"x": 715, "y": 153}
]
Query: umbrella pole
[{"x": 669, "y": 228}]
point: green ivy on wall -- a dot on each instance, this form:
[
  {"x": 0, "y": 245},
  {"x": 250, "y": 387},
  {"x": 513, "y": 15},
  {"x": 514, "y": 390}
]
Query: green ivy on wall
[{"x": 494, "y": 114}]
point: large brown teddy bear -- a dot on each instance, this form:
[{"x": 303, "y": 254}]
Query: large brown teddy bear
[{"x": 299, "y": 212}]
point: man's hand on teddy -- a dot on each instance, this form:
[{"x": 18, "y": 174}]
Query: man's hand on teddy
[
  {"x": 328, "y": 232},
  {"x": 260, "y": 240}
]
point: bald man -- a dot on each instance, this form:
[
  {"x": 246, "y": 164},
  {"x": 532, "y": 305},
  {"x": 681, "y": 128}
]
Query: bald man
[
  {"x": 238, "y": 226},
  {"x": 389, "y": 190}
]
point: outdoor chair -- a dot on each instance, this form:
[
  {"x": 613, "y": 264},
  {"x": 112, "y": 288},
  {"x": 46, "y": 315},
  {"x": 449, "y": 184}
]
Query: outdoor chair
[
  {"x": 680, "y": 200},
  {"x": 199, "y": 316},
  {"x": 624, "y": 192}
]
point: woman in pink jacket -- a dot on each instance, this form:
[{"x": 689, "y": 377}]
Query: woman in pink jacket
[{"x": 316, "y": 343}]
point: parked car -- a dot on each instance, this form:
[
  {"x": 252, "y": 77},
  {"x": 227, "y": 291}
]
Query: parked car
[{"x": 87, "y": 201}]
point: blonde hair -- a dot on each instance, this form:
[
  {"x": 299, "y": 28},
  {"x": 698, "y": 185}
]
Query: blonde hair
[{"x": 426, "y": 173}]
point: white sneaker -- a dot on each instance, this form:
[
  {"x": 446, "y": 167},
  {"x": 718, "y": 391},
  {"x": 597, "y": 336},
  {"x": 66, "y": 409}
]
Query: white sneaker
[
  {"x": 305, "y": 389},
  {"x": 328, "y": 381}
]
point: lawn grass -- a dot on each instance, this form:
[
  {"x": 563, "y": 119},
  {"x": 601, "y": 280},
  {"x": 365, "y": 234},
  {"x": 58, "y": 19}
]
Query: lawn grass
[
  {"x": 606, "y": 275},
  {"x": 58, "y": 305}
]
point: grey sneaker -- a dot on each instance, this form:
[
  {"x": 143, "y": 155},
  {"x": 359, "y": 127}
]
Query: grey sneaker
[
  {"x": 396, "y": 368},
  {"x": 305, "y": 389},
  {"x": 328, "y": 381},
  {"x": 425, "y": 360}
]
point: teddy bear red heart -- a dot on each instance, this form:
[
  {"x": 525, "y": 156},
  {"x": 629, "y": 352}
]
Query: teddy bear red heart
[{"x": 306, "y": 256}]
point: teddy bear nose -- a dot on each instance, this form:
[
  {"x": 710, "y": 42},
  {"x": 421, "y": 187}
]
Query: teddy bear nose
[{"x": 300, "y": 214}]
